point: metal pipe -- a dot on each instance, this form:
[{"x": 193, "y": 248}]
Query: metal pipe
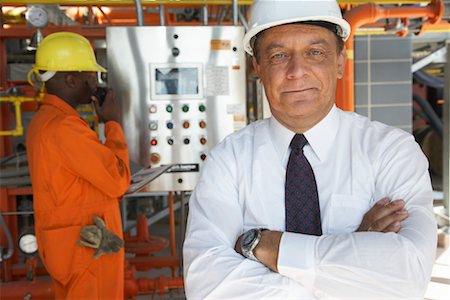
[
  {"x": 235, "y": 12},
  {"x": 205, "y": 14},
  {"x": 446, "y": 141},
  {"x": 431, "y": 115},
  {"x": 13, "y": 182},
  {"x": 369, "y": 13},
  {"x": 139, "y": 13},
  {"x": 243, "y": 20},
  {"x": 162, "y": 20},
  {"x": 14, "y": 172},
  {"x": 10, "y": 251},
  {"x": 172, "y": 226}
]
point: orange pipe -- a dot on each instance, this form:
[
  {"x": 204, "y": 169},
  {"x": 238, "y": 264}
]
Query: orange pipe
[
  {"x": 369, "y": 13},
  {"x": 37, "y": 289},
  {"x": 172, "y": 227}
]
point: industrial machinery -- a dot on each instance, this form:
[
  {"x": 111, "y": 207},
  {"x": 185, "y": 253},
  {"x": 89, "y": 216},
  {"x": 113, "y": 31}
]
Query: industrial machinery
[
  {"x": 185, "y": 83},
  {"x": 182, "y": 91}
]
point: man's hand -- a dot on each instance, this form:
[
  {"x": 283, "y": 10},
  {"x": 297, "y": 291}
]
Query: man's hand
[
  {"x": 99, "y": 237},
  {"x": 109, "y": 110},
  {"x": 384, "y": 216}
]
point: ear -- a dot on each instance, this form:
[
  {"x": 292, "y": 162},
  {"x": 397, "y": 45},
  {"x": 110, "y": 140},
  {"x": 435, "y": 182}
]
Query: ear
[
  {"x": 341, "y": 60},
  {"x": 70, "y": 80},
  {"x": 256, "y": 67}
]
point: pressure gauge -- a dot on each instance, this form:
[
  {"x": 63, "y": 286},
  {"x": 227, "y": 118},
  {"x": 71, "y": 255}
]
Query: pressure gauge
[
  {"x": 37, "y": 16},
  {"x": 28, "y": 243}
]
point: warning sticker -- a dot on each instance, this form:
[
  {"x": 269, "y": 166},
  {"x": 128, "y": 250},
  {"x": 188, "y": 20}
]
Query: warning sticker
[{"x": 220, "y": 44}]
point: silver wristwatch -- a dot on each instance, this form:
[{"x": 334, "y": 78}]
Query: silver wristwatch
[{"x": 249, "y": 241}]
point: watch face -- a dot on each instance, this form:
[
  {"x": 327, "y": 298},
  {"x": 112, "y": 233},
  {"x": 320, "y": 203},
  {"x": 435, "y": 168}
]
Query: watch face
[{"x": 249, "y": 237}]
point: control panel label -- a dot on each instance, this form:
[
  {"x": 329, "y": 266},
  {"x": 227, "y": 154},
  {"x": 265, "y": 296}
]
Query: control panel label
[
  {"x": 178, "y": 168},
  {"x": 220, "y": 44}
]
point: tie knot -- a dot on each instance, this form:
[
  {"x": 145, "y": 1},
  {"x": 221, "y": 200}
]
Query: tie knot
[{"x": 298, "y": 142}]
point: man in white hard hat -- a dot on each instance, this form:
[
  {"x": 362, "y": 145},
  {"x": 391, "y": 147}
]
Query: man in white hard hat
[{"x": 313, "y": 202}]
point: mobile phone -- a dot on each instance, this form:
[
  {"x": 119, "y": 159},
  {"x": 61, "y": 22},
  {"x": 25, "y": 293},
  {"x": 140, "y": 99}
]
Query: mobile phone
[{"x": 100, "y": 94}]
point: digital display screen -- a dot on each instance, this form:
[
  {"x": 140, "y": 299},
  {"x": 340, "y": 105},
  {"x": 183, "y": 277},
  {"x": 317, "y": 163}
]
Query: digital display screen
[{"x": 176, "y": 81}]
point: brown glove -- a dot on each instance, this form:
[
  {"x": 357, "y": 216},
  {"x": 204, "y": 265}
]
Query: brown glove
[{"x": 98, "y": 237}]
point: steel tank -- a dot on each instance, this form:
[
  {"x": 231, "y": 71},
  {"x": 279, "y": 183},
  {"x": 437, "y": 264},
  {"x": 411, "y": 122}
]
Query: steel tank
[{"x": 182, "y": 90}]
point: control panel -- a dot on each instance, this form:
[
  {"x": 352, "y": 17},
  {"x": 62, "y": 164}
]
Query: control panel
[{"x": 182, "y": 91}]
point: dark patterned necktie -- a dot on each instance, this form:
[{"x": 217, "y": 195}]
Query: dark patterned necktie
[{"x": 301, "y": 198}]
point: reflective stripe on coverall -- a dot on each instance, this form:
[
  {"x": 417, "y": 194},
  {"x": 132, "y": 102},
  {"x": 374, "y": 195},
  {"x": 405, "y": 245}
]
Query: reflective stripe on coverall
[{"x": 75, "y": 176}]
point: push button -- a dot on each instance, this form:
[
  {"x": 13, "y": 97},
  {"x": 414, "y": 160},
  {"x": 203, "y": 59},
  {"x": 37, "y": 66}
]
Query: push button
[
  {"x": 155, "y": 158},
  {"x": 153, "y": 125}
]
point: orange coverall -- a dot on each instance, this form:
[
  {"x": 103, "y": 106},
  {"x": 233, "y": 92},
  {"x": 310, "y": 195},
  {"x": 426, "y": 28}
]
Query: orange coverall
[{"x": 74, "y": 176}]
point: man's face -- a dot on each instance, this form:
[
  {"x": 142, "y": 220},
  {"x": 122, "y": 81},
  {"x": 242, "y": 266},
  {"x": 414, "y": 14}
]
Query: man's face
[
  {"x": 86, "y": 85},
  {"x": 298, "y": 65}
]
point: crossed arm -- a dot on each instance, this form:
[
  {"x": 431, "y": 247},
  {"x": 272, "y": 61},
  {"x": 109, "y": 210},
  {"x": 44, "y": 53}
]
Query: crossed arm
[{"x": 384, "y": 216}]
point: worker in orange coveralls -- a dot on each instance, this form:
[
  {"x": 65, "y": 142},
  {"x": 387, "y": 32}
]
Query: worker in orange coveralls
[{"x": 77, "y": 180}]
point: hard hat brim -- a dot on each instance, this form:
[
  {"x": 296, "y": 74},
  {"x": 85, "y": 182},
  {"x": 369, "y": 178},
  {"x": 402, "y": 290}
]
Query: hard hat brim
[
  {"x": 96, "y": 68},
  {"x": 345, "y": 26}
]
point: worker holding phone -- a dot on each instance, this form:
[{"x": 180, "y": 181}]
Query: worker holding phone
[{"x": 77, "y": 180}]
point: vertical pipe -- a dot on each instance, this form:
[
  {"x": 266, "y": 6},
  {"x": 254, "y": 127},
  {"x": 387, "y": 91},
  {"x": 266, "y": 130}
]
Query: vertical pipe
[
  {"x": 235, "y": 12},
  {"x": 172, "y": 227},
  {"x": 139, "y": 13},
  {"x": 243, "y": 20},
  {"x": 205, "y": 14},
  {"x": 446, "y": 139},
  {"x": 162, "y": 20},
  {"x": 182, "y": 226}
]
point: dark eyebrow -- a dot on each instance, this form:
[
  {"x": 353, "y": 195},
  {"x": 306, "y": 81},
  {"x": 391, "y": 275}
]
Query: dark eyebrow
[
  {"x": 319, "y": 41},
  {"x": 274, "y": 45}
]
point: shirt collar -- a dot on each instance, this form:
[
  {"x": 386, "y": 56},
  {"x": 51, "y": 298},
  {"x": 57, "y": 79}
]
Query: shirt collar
[
  {"x": 60, "y": 104},
  {"x": 320, "y": 137}
]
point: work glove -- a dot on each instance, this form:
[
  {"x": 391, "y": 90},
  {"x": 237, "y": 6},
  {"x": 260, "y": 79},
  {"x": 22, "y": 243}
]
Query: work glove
[{"x": 99, "y": 237}]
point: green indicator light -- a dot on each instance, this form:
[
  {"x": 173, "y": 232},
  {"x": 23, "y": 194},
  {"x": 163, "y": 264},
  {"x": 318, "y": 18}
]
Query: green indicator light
[
  {"x": 169, "y": 108},
  {"x": 185, "y": 108}
]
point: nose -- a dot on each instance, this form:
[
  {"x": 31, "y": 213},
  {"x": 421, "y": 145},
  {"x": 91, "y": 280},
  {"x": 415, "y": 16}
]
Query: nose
[{"x": 297, "y": 67}]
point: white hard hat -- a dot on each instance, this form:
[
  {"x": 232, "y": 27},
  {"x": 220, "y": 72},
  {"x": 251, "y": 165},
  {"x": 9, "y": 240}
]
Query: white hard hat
[{"x": 269, "y": 13}]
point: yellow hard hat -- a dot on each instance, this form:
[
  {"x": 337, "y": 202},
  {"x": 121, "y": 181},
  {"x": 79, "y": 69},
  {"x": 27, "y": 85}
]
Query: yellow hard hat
[{"x": 65, "y": 52}]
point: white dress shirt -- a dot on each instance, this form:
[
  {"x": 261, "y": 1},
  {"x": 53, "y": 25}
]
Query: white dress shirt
[{"x": 356, "y": 162}]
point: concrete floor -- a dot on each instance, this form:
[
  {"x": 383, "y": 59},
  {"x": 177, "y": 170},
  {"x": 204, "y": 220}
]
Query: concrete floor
[{"x": 439, "y": 287}]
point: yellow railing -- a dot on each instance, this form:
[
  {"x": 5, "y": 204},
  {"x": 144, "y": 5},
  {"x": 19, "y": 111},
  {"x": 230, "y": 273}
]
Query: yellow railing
[{"x": 17, "y": 101}]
